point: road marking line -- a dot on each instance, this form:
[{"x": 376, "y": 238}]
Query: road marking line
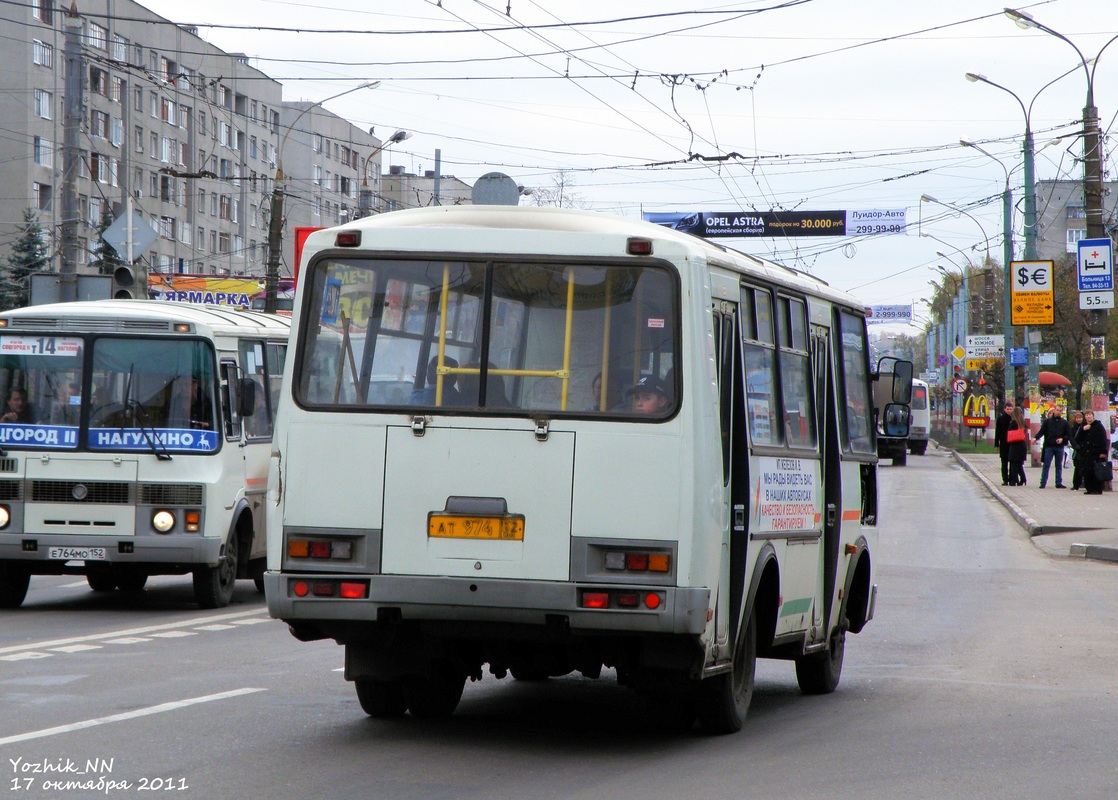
[
  {"x": 252, "y": 621},
  {"x": 27, "y": 655},
  {"x": 218, "y": 627},
  {"x": 172, "y": 634},
  {"x": 128, "y": 640},
  {"x": 76, "y": 648},
  {"x": 140, "y": 712},
  {"x": 186, "y": 623}
]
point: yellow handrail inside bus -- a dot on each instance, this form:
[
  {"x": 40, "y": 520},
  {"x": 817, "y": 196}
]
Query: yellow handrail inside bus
[
  {"x": 603, "y": 390},
  {"x": 566, "y": 377},
  {"x": 440, "y": 371}
]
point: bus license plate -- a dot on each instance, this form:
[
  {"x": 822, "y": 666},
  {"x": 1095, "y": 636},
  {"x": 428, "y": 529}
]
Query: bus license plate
[
  {"x": 76, "y": 553},
  {"x": 453, "y": 526}
]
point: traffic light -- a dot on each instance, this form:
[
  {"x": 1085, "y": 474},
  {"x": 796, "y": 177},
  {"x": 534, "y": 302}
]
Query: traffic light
[{"x": 130, "y": 282}]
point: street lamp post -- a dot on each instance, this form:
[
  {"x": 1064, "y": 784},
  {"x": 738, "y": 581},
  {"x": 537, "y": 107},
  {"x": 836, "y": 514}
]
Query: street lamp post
[
  {"x": 1092, "y": 153},
  {"x": 1007, "y": 259},
  {"x": 365, "y": 202},
  {"x": 275, "y": 222}
]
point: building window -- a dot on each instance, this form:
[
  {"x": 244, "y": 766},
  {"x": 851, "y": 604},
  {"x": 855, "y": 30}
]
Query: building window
[
  {"x": 1076, "y": 212},
  {"x": 201, "y": 239},
  {"x": 116, "y": 89},
  {"x": 99, "y": 167},
  {"x": 44, "y": 11},
  {"x": 99, "y": 124},
  {"x": 138, "y": 139},
  {"x": 44, "y": 101},
  {"x": 44, "y": 151},
  {"x": 96, "y": 36},
  {"x": 99, "y": 81},
  {"x": 42, "y": 54},
  {"x": 120, "y": 48},
  {"x": 42, "y": 196},
  {"x": 1074, "y": 235}
]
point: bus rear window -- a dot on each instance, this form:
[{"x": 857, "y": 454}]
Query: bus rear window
[{"x": 509, "y": 337}]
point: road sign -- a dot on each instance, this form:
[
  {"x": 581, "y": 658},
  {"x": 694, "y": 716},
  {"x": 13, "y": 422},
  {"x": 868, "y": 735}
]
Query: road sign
[
  {"x": 132, "y": 227},
  {"x": 1032, "y": 297},
  {"x": 986, "y": 346},
  {"x": 1096, "y": 266},
  {"x": 1018, "y": 356},
  {"x": 979, "y": 364},
  {"x": 1091, "y": 301},
  {"x": 942, "y": 360},
  {"x": 959, "y": 353},
  {"x": 959, "y": 385}
]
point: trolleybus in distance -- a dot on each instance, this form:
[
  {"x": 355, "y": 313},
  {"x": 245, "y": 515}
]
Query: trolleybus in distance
[
  {"x": 543, "y": 441},
  {"x": 142, "y": 443}
]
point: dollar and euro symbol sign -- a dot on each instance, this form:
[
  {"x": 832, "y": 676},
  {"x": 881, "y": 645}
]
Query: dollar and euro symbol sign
[{"x": 1032, "y": 297}]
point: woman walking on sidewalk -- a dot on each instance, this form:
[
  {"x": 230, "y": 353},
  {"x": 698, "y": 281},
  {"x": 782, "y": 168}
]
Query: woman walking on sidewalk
[
  {"x": 1076, "y": 459},
  {"x": 1093, "y": 444},
  {"x": 1019, "y": 449}
]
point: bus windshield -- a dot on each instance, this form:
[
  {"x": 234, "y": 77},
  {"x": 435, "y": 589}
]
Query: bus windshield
[
  {"x": 509, "y": 336},
  {"x": 107, "y": 393}
]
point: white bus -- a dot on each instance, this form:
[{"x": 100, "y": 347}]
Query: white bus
[
  {"x": 920, "y": 422},
  {"x": 134, "y": 441},
  {"x": 550, "y": 441}
]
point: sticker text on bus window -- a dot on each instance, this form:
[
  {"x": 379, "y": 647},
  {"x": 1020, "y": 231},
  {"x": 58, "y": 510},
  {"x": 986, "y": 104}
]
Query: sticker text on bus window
[
  {"x": 785, "y": 495},
  {"x": 139, "y": 439},
  {"x": 38, "y": 435}
]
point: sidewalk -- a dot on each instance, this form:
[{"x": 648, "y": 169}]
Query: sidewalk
[{"x": 1059, "y": 521}]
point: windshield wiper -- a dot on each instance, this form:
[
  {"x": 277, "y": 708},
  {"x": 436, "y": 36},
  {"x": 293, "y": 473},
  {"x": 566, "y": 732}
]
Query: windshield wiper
[{"x": 139, "y": 416}]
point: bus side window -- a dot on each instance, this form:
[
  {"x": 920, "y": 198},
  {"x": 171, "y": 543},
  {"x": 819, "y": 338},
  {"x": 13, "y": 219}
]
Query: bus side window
[{"x": 229, "y": 413}]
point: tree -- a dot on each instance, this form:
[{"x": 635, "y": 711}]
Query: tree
[
  {"x": 29, "y": 254},
  {"x": 1070, "y": 333},
  {"x": 559, "y": 195},
  {"x": 105, "y": 257}
]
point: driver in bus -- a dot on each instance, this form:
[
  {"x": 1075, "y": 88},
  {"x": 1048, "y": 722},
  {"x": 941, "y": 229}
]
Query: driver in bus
[
  {"x": 650, "y": 396},
  {"x": 17, "y": 408}
]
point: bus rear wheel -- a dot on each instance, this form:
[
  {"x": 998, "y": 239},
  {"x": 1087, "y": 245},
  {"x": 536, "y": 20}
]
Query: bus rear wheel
[
  {"x": 436, "y": 694},
  {"x": 724, "y": 700},
  {"x": 14, "y": 581},
  {"x": 213, "y": 586},
  {"x": 819, "y": 673},
  {"x": 381, "y": 699},
  {"x": 129, "y": 578},
  {"x": 100, "y": 577}
]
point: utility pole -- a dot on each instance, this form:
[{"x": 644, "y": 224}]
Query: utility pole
[
  {"x": 275, "y": 244},
  {"x": 71, "y": 153},
  {"x": 1092, "y": 172}
]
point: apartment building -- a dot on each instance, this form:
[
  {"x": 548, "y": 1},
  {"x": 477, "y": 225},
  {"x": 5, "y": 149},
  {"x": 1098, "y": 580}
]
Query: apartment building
[
  {"x": 1062, "y": 216},
  {"x": 324, "y": 162},
  {"x": 184, "y": 131},
  {"x": 402, "y": 189}
]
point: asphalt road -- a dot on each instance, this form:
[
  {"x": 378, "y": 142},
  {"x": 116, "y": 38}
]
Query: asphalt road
[{"x": 988, "y": 673}]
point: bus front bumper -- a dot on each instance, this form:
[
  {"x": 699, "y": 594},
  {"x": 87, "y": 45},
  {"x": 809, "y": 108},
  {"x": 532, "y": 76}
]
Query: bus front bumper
[{"x": 48, "y": 552}]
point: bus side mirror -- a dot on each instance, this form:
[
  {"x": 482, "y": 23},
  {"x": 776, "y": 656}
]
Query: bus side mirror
[
  {"x": 246, "y": 397},
  {"x": 902, "y": 382},
  {"x": 897, "y": 416}
]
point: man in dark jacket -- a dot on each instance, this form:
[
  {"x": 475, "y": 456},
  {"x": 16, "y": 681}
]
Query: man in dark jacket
[
  {"x": 1054, "y": 431},
  {"x": 1001, "y": 425}
]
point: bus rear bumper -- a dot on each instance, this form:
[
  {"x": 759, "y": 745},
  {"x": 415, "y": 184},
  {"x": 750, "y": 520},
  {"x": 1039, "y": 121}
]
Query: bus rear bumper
[
  {"x": 50, "y": 552},
  {"x": 461, "y": 600}
]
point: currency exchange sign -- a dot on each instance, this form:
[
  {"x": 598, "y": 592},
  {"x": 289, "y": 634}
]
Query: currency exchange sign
[{"x": 1032, "y": 297}]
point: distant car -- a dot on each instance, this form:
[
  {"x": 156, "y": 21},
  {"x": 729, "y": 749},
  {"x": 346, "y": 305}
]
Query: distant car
[{"x": 921, "y": 422}]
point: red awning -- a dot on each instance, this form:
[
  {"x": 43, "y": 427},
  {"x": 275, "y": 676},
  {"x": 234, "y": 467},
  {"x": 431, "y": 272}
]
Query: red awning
[{"x": 1053, "y": 379}]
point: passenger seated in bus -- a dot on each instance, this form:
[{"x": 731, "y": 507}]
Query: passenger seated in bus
[
  {"x": 470, "y": 386},
  {"x": 426, "y": 395},
  {"x": 650, "y": 396},
  {"x": 67, "y": 408},
  {"x": 259, "y": 424},
  {"x": 613, "y": 394},
  {"x": 17, "y": 408}
]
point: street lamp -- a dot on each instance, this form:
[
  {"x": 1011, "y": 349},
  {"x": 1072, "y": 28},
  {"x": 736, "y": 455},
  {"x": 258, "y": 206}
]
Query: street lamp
[
  {"x": 1092, "y": 154},
  {"x": 927, "y": 198},
  {"x": 1007, "y": 259},
  {"x": 275, "y": 223},
  {"x": 365, "y": 203}
]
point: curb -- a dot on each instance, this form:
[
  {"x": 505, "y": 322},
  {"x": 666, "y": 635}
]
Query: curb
[
  {"x": 1095, "y": 551},
  {"x": 1031, "y": 526}
]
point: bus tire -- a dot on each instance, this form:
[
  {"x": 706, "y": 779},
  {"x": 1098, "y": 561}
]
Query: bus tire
[
  {"x": 129, "y": 578},
  {"x": 14, "y": 580},
  {"x": 724, "y": 700},
  {"x": 100, "y": 577},
  {"x": 213, "y": 586},
  {"x": 436, "y": 694},
  {"x": 819, "y": 673},
  {"x": 901, "y": 460},
  {"x": 381, "y": 699}
]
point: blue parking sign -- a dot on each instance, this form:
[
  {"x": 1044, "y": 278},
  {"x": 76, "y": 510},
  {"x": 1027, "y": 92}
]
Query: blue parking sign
[{"x": 1096, "y": 265}]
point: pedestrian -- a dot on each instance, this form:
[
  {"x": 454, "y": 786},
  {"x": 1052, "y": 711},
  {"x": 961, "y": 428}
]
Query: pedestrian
[
  {"x": 1094, "y": 444},
  {"x": 1076, "y": 460},
  {"x": 1054, "y": 432},
  {"x": 1018, "y": 437},
  {"x": 1001, "y": 425}
]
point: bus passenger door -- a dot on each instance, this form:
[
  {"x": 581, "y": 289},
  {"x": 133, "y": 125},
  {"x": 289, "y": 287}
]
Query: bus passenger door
[
  {"x": 825, "y": 407},
  {"x": 735, "y": 467}
]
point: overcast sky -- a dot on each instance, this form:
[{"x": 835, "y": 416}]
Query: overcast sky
[{"x": 669, "y": 106}]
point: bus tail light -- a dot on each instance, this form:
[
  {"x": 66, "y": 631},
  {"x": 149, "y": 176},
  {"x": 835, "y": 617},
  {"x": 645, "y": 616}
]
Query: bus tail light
[
  {"x": 327, "y": 549},
  {"x": 346, "y": 590},
  {"x": 621, "y": 599},
  {"x": 638, "y": 561}
]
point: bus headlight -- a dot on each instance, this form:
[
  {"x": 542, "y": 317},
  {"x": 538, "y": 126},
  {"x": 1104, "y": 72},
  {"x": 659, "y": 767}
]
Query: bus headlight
[
  {"x": 163, "y": 521},
  {"x": 5, "y": 517}
]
